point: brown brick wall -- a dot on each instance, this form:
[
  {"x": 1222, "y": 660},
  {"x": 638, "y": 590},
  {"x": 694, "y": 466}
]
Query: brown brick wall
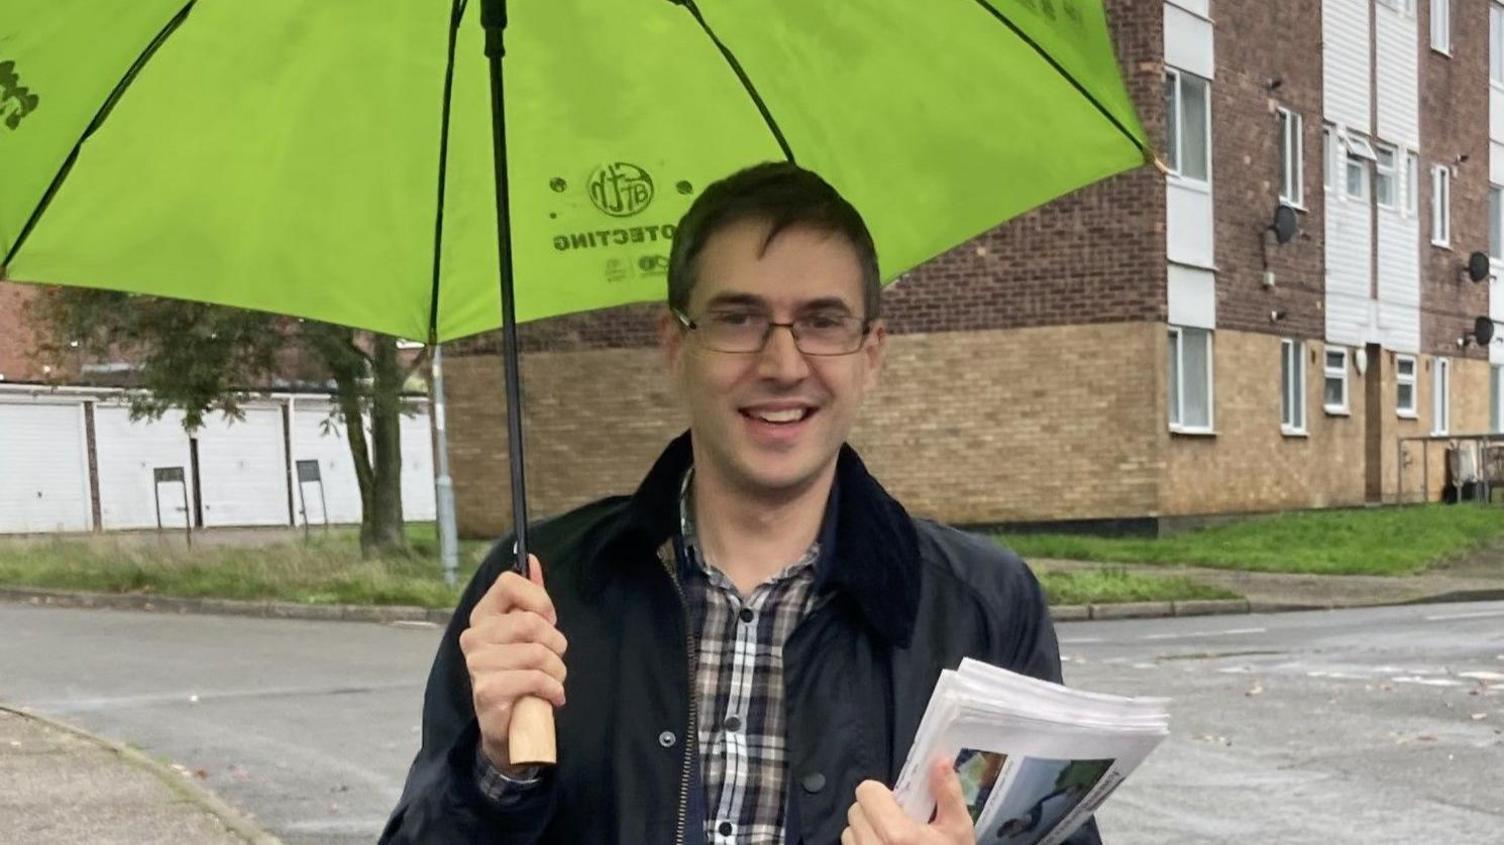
[
  {"x": 1257, "y": 44},
  {"x": 1022, "y": 425},
  {"x": 1454, "y": 123},
  {"x": 1250, "y": 465},
  {"x": 16, "y": 340}
]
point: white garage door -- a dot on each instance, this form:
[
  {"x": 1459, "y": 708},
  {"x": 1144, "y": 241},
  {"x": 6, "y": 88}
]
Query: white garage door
[
  {"x": 44, "y": 468},
  {"x": 310, "y": 442},
  {"x": 243, "y": 469},
  {"x": 128, "y": 454},
  {"x": 417, "y": 465}
]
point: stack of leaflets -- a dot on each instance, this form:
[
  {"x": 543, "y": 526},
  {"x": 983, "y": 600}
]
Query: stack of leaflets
[{"x": 1035, "y": 758}]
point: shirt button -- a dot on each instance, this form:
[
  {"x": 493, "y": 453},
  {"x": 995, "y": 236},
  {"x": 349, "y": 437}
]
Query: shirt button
[
  {"x": 667, "y": 739},
  {"x": 747, "y": 614},
  {"x": 726, "y": 829},
  {"x": 813, "y": 782},
  {"x": 732, "y": 723}
]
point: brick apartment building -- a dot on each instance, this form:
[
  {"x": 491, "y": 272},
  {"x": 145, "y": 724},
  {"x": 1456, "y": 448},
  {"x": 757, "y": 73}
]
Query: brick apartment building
[{"x": 1146, "y": 348}]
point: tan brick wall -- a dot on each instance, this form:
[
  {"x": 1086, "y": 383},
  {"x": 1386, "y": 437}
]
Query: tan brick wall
[
  {"x": 1250, "y": 465},
  {"x": 1012, "y": 425},
  {"x": 1470, "y": 396}
]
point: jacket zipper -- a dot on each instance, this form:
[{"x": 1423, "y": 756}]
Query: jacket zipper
[{"x": 691, "y": 736}]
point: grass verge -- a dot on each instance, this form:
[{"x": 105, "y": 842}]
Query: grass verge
[
  {"x": 1378, "y": 541},
  {"x": 1110, "y": 585}
]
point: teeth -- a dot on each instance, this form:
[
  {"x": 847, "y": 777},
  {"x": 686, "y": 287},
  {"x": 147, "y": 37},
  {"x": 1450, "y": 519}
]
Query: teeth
[{"x": 791, "y": 415}]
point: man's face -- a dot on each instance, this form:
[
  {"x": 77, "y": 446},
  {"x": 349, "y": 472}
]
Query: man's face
[{"x": 771, "y": 422}]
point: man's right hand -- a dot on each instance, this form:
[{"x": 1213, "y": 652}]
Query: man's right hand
[{"x": 512, "y": 649}]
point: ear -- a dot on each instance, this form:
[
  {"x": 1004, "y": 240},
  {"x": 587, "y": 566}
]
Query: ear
[
  {"x": 876, "y": 352},
  {"x": 670, "y": 340}
]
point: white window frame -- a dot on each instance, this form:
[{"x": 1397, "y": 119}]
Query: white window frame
[
  {"x": 1412, "y": 184},
  {"x": 1177, "y": 397},
  {"x": 1392, "y": 173},
  {"x": 1173, "y": 157},
  {"x": 1329, "y": 147},
  {"x": 1359, "y": 153},
  {"x": 1496, "y": 44},
  {"x": 1496, "y": 399},
  {"x": 1292, "y": 383},
  {"x": 1441, "y": 26},
  {"x": 1496, "y": 222},
  {"x": 1337, "y": 373},
  {"x": 1292, "y": 191},
  {"x": 1401, "y": 380},
  {"x": 1441, "y": 396},
  {"x": 1441, "y": 206}
]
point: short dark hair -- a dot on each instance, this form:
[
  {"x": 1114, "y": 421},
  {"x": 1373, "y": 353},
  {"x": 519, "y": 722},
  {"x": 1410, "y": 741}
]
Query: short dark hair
[{"x": 785, "y": 195}]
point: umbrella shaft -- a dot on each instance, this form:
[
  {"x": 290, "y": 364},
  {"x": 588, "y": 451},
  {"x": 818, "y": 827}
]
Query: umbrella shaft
[{"x": 495, "y": 23}]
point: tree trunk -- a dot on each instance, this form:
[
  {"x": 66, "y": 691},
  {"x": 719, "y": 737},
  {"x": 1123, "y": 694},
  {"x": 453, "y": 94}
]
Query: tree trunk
[{"x": 383, "y": 529}]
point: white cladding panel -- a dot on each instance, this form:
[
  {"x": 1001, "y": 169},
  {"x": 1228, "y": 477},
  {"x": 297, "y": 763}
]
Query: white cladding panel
[
  {"x": 44, "y": 468},
  {"x": 1349, "y": 315},
  {"x": 1496, "y": 313},
  {"x": 1495, "y": 163},
  {"x": 243, "y": 469},
  {"x": 128, "y": 453},
  {"x": 1398, "y": 70},
  {"x": 1188, "y": 42},
  {"x": 311, "y": 442},
  {"x": 1193, "y": 297},
  {"x": 1345, "y": 62},
  {"x": 1188, "y": 225},
  {"x": 1495, "y": 113},
  {"x": 417, "y": 465},
  {"x": 1399, "y": 281}
]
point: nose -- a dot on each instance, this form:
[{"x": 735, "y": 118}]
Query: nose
[{"x": 780, "y": 359}]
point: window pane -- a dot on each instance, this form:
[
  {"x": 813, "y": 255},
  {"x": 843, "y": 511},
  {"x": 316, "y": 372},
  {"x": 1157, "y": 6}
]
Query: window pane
[
  {"x": 1336, "y": 360},
  {"x": 1284, "y": 384},
  {"x": 1284, "y": 155},
  {"x": 1495, "y": 248},
  {"x": 1328, "y": 167},
  {"x": 1194, "y": 141},
  {"x": 1197, "y": 410},
  {"x": 1298, "y": 386},
  {"x": 1406, "y": 367},
  {"x": 1495, "y": 43},
  {"x": 1172, "y": 124},
  {"x": 1406, "y": 398},
  {"x": 1412, "y": 183},
  {"x": 1174, "y": 378},
  {"x": 1333, "y": 393},
  {"x": 1357, "y": 177},
  {"x": 1495, "y": 419}
]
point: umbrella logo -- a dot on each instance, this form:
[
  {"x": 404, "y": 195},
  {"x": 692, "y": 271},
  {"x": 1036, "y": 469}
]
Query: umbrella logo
[
  {"x": 16, "y": 102},
  {"x": 620, "y": 189}
]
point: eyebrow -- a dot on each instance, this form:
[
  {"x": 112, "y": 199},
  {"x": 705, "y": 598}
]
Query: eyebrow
[{"x": 748, "y": 300}]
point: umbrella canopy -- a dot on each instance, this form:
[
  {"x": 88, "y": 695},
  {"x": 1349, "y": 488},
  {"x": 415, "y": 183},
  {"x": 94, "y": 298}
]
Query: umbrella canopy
[{"x": 333, "y": 159}]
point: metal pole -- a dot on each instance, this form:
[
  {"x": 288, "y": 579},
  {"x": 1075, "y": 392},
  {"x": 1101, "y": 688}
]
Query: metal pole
[{"x": 443, "y": 483}]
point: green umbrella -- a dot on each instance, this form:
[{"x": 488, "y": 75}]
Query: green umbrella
[{"x": 336, "y": 159}]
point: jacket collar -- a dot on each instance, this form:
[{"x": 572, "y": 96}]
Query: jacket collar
[{"x": 876, "y": 559}]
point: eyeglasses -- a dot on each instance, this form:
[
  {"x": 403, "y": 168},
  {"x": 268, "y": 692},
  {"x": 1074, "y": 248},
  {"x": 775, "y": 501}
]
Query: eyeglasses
[{"x": 748, "y": 331}]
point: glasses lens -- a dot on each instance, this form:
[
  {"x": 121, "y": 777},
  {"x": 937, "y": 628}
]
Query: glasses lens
[
  {"x": 828, "y": 335},
  {"x": 734, "y": 331}
]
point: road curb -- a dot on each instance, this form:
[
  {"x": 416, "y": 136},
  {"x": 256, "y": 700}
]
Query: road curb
[
  {"x": 381, "y": 614},
  {"x": 234, "y": 820}
]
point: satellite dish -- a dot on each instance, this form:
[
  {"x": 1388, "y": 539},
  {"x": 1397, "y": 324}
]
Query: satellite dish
[
  {"x": 1477, "y": 266},
  {"x": 1285, "y": 224},
  {"x": 1483, "y": 331}
]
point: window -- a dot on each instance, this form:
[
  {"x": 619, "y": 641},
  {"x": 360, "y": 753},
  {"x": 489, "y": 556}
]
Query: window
[
  {"x": 1495, "y": 221},
  {"x": 1334, "y": 385},
  {"x": 1441, "y": 206},
  {"x": 1496, "y": 44},
  {"x": 1188, "y": 125},
  {"x": 1291, "y": 164},
  {"x": 1292, "y": 378},
  {"x": 1359, "y": 154},
  {"x": 1328, "y": 157},
  {"x": 1441, "y": 26},
  {"x": 1385, "y": 183},
  {"x": 1412, "y": 184},
  {"x": 1495, "y": 397},
  {"x": 1441, "y": 397},
  {"x": 1190, "y": 380},
  {"x": 1404, "y": 384}
]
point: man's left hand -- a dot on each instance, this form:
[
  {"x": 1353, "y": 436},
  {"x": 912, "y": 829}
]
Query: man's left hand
[{"x": 876, "y": 819}]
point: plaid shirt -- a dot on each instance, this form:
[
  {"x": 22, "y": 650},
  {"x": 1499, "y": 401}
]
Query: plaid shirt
[
  {"x": 738, "y": 691},
  {"x": 739, "y": 687}
]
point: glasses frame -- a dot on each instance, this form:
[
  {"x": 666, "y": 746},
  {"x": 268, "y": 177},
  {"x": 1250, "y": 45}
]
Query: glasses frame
[{"x": 692, "y": 325}]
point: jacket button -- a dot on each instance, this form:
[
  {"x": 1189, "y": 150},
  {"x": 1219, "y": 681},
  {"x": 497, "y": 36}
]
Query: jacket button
[
  {"x": 813, "y": 782},
  {"x": 667, "y": 739}
]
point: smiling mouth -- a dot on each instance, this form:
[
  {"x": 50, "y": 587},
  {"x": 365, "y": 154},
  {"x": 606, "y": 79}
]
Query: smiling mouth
[{"x": 784, "y": 416}]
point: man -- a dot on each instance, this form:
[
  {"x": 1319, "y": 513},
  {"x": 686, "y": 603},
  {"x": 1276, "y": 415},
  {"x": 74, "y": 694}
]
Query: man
[{"x": 752, "y": 637}]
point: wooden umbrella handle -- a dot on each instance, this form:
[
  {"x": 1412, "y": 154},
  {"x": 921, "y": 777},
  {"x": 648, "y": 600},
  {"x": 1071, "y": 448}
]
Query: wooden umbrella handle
[{"x": 530, "y": 738}]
